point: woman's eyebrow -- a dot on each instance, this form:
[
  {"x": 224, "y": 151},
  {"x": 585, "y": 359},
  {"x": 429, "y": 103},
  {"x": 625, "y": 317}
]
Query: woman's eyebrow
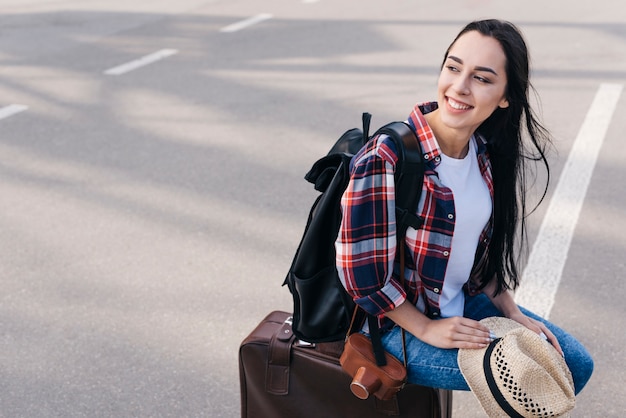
[{"x": 460, "y": 61}]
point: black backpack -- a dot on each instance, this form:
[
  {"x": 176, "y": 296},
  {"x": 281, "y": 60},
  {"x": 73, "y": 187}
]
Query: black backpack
[{"x": 322, "y": 308}]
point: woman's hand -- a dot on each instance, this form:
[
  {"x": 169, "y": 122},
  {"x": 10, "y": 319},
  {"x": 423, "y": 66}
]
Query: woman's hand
[
  {"x": 538, "y": 327},
  {"x": 455, "y": 332},
  {"x": 505, "y": 303}
]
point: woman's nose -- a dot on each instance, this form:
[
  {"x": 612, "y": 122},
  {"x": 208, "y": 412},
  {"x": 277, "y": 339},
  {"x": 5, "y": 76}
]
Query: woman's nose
[{"x": 461, "y": 85}]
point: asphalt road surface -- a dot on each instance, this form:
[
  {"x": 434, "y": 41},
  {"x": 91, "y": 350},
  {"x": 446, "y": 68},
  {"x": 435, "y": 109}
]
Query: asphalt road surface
[{"x": 152, "y": 156}]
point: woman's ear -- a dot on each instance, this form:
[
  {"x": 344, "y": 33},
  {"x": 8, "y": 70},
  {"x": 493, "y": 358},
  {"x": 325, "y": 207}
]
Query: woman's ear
[{"x": 503, "y": 104}]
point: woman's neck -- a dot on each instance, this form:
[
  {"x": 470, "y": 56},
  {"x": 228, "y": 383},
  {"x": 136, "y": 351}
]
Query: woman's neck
[{"x": 453, "y": 142}]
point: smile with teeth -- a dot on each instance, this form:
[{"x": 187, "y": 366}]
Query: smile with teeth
[{"x": 456, "y": 105}]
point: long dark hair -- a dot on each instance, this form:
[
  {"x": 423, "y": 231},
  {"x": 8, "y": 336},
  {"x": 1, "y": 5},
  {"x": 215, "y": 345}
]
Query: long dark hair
[{"x": 505, "y": 131}]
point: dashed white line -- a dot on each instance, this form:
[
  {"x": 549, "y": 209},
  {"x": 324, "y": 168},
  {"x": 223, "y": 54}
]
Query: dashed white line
[
  {"x": 246, "y": 22},
  {"x": 11, "y": 110},
  {"x": 143, "y": 61},
  {"x": 547, "y": 259}
]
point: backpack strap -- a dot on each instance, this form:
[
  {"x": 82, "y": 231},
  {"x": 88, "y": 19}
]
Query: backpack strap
[
  {"x": 409, "y": 180},
  {"x": 409, "y": 175}
]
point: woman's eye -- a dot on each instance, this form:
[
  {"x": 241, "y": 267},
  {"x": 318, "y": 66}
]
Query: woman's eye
[
  {"x": 482, "y": 79},
  {"x": 452, "y": 68}
]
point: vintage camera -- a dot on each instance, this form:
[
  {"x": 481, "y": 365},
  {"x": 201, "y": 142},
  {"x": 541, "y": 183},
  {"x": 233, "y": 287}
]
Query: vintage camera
[{"x": 368, "y": 378}]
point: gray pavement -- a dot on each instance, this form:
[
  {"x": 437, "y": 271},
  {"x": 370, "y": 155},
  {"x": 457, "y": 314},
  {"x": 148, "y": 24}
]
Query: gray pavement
[{"x": 147, "y": 219}]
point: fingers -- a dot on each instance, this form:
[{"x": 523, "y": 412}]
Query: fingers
[
  {"x": 459, "y": 332},
  {"x": 470, "y": 342},
  {"x": 477, "y": 329},
  {"x": 541, "y": 329},
  {"x": 474, "y": 325},
  {"x": 551, "y": 338},
  {"x": 473, "y": 334}
]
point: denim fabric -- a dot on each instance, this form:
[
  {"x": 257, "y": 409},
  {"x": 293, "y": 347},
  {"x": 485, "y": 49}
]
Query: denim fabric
[{"x": 438, "y": 367}]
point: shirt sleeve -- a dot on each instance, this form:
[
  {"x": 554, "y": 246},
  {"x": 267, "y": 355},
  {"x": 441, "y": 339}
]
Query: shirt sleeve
[{"x": 366, "y": 243}]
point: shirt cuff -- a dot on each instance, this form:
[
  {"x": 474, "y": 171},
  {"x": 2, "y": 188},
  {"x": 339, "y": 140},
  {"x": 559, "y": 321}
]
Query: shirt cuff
[{"x": 384, "y": 300}]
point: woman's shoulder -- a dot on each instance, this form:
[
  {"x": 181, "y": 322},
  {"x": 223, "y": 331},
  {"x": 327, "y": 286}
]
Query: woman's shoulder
[{"x": 381, "y": 147}]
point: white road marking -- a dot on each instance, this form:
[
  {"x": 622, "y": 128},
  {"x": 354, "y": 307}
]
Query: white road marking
[
  {"x": 11, "y": 110},
  {"x": 547, "y": 259},
  {"x": 246, "y": 22},
  {"x": 143, "y": 61}
]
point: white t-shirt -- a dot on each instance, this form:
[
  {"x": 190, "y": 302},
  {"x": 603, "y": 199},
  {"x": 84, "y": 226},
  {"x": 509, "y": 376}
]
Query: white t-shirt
[{"x": 472, "y": 204}]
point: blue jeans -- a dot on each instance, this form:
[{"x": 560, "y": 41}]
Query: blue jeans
[{"x": 437, "y": 367}]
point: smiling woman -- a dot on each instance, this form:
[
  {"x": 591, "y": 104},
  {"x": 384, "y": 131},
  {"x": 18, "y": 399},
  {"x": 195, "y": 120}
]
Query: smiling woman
[{"x": 462, "y": 263}]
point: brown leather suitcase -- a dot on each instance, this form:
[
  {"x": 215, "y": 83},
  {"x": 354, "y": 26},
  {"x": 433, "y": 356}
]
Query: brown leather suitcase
[{"x": 283, "y": 377}]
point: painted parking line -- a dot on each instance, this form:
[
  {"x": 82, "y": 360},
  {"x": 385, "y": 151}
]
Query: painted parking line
[
  {"x": 11, "y": 110},
  {"x": 547, "y": 259},
  {"x": 141, "y": 62},
  {"x": 237, "y": 26}
]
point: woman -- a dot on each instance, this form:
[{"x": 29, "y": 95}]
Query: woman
[{"x": 462, "y": 264}]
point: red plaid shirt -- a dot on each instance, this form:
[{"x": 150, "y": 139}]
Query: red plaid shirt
[{"x": 366, "y": 245}]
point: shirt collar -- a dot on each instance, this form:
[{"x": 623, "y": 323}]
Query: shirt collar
[{"x": 430, "y": 147}]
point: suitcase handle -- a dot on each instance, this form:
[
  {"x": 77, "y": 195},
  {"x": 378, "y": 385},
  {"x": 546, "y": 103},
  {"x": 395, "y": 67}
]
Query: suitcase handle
[{"x": 279, "y": 355}]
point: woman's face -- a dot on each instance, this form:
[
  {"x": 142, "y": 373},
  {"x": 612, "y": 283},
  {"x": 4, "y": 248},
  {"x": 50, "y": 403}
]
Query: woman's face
[{"x": 472, "y": 82}]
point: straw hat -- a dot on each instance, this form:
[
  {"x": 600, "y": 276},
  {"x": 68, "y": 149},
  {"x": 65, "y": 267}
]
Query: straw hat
[{"x": 519, "y": 374}]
